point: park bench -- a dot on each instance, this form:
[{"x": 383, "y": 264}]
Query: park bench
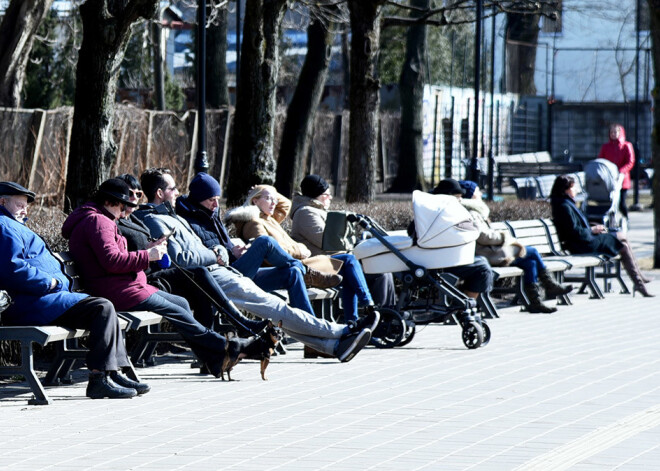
[
  {"x": 542, "y": 234},
  {"x": 514, "y": 172},
  {"x": 67, "y": 353},
  {"x": 536, "y": 240},
  {"x": 542, "y": 187},
  {"x": 611, "y": 266}
]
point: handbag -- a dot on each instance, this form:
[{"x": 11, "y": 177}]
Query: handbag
[
  {"x": 5, "y": 300},
  {"x": 339, "y": 235}
]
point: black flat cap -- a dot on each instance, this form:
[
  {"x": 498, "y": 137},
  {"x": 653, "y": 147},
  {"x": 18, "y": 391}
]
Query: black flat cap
[
  {"x": 448, "y": 186},
  {"x": 11, "y": 188},
  {"x": 116, "y": 190}
]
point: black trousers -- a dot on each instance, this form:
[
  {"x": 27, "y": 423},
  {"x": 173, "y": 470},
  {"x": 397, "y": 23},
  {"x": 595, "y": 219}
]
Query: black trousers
[
  {"x": 623, "y": 207},
  {"x": 180, "y": 285},
  {"x": 107, "y": 351},
  {"x": 209, "y": 346},
  {"x": 381, "y": 287},
  {"x": 477, "y": 276}
]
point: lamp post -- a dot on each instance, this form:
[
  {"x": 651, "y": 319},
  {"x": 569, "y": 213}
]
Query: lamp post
[
  {"x": 201, "y": 159},
  {"x": 636, "y": 205},
  {"x": 491, "y": 156},
  {"x": 474, "y": 164}
]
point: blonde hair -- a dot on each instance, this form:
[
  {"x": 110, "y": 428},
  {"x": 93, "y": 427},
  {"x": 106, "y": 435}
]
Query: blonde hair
[{"x": 256, "y": 191}]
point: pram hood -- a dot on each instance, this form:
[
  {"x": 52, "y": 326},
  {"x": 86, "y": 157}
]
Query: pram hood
[
  {"x": 441, "y": 221},
  {"x": 601, "y": 180}
]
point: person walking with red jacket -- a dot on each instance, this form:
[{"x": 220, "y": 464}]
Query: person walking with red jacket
[{"x": 621, "y": 153}]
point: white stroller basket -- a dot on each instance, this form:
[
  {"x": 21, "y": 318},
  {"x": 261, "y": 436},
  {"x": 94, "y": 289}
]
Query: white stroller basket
[
  {"x": 445, "y": 238},
  {"x": 603, "y": 184}
]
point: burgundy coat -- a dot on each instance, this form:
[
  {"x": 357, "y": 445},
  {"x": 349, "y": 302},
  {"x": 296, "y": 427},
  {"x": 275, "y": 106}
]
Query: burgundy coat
[{"x": 108, "y": 269}]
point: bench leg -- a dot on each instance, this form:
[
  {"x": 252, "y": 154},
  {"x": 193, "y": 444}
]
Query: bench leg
[
  {"x": 64, "y": 361},
  {"x": 520, "y": 292},
  {"x": 130, "y": 372},
  {"x": 588, "y": 281},
  {"x": 564, "y": 299},
  {"x": 596, "y": 293},
  {"x": 27, "y": 370},
  {"x": 486, "y": 305},
  {"x": 624, "y": 287}
]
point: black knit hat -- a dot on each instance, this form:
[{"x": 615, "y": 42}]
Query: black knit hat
[
  {"x": 116, "y": 189},
  {"x": 313, "y": 186},
  {"x": 11, "y": 188},
  {"x": 448, "y": 186}
]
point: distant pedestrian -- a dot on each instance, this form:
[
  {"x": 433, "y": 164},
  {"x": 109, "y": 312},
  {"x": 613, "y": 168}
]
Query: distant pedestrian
[{"x": 621, "y": 153}]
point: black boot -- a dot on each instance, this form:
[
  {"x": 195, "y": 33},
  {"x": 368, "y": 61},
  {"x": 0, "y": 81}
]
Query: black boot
[
  {"x": 535, "y": 305},
  {"x": 100, "y": 387},
  {"x": 121, "y": 380},
  {"x": 551, "y": 287}
]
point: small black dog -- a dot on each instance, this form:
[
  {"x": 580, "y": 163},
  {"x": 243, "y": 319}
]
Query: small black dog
[{"x": 258, "y": 347}]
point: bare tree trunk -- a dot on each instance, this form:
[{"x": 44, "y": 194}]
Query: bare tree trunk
[
  {"x": 19, "y": 25},
  {"x": 106, "y": 31},
  {"x": 297, "y": 134},
  {"x": 159, "y": 66},
  {"x": 410, "y": 175},
  {"x": 522, "y": 35},
  {"x": 217, "y": 93},
  {"x": 252, "y": 160},
  {"x": 364, "y": 99},
  {"x": 654, "y": 11},
  {"x": 346, "y": 67}
]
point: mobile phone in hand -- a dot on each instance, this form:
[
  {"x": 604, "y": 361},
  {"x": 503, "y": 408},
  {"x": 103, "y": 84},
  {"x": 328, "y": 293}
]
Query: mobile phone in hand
[{"x": 169, "y": 234}]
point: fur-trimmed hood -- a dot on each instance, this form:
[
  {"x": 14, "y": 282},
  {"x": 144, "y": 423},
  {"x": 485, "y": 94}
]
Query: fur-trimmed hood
[
  {"x": 478, "y": 206},
  {"x": 243, "y": 214}
]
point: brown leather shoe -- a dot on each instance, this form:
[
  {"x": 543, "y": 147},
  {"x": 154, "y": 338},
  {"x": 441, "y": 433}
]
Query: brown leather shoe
[
  {"x": 312, "y": 353},
  {"x": 317, "y": 279}
]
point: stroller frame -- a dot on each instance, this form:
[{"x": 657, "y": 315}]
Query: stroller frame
[{"x": 420, "y": 286}]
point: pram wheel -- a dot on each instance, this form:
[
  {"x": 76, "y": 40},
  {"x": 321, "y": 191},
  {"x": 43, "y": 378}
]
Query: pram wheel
[
  {"x": 390, "y": 330},
  {"x": 486, "y": 330},
  {"x": 473, "y": 334},
  {"x": 410, "y": 333}
]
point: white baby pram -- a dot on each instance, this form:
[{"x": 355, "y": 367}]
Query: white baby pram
[
  {"x": 603, "y": 186},
  {"x": 445, "y": 237}
]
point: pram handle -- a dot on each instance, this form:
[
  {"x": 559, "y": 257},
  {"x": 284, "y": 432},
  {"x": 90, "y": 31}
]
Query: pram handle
[{"x": 379, "y": 233}]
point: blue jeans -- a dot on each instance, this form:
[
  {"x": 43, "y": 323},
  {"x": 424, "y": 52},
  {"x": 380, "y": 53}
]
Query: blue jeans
[
  {"x": 286, "y": 272},
  {"x": 209, "y": 346},
  {"x": 354, "y": 286},
  {"x": 531, "y": 264}
]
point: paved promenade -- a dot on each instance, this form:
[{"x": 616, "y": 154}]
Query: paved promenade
[{"x": 578, "y": 389}]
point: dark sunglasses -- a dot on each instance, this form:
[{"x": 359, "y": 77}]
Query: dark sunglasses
[{"x": 137, "y": 193}]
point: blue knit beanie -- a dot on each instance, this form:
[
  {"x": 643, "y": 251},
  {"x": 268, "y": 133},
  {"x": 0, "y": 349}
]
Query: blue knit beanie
[
  {"x": 203, "y": 187},
  {"x": 469, "y": 188}
]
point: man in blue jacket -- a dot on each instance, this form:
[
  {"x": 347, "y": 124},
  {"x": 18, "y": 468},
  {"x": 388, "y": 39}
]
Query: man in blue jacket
[{"x": 42, "y": 295}]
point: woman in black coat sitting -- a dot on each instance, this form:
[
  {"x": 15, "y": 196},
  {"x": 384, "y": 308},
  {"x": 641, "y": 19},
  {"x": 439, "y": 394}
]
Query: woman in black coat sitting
[{"x": 577, "y": 236}]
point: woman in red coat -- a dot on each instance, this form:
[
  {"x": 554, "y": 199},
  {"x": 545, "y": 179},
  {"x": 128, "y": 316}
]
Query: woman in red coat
[{"x": 621, "y": 153}]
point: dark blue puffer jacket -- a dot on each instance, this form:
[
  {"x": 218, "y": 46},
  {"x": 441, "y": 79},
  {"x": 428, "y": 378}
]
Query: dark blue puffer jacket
[{"x": 206, "y": 224}]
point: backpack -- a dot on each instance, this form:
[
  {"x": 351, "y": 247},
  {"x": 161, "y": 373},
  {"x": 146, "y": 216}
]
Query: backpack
[
  {"x": 5, "y": 301},
  {"x": 339, "y": 235}
]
